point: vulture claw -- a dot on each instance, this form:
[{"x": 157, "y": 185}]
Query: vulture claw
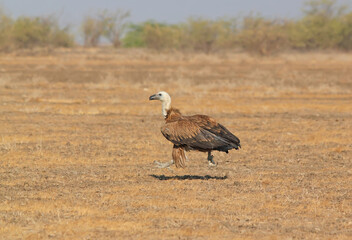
[
  {"x": 212, "y": 164},
  {"x": 211, "y": 160},
  {"x": 164, "y": 165}
]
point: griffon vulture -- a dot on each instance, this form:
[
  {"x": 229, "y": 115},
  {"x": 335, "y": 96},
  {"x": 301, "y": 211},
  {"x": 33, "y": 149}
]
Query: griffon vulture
[{"x": 197, "y": 132}]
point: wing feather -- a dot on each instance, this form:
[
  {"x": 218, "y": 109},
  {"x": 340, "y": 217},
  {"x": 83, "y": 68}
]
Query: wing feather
[
  {"x": 212, "y": 126},
  {"x": 199, "y": 132}
]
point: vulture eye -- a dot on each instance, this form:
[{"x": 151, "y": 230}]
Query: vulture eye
[{"x": 159, "y": 94}]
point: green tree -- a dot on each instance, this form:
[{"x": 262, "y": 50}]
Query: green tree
[{"x": 134, "y": 36}]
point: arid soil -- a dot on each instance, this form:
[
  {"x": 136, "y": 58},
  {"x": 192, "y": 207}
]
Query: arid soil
[{"x": 78, "y": 138}]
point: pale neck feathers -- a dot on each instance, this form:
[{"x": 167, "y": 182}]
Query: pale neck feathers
[{"x": 166, "y": 106}]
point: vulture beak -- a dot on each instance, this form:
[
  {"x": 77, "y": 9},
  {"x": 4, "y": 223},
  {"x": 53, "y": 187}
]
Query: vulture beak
[{"x": 154, "y": 97}]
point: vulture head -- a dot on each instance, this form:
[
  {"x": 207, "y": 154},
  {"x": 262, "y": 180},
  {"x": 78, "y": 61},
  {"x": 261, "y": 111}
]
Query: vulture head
[{"x": 165, "y": 99}]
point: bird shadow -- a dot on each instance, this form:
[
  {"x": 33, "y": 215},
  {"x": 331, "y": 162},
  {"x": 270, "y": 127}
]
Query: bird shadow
[{"x": 187, "y": 177}]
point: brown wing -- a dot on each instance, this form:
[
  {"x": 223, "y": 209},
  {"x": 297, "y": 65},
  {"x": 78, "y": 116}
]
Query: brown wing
[
  {"x": 212, "y": 126},
  {"x": 193, "y": 133}
]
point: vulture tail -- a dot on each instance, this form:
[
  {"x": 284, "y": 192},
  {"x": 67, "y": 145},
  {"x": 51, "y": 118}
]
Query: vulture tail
[{"x": 234, "y": 141}]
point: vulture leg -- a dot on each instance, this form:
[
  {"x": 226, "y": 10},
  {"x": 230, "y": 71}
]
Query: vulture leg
[
  {"x": 163, "y": 165},
  {"x": 210, "y": 159},
  {"x": 179, "y": 157}
]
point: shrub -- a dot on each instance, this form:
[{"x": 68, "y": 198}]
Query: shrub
[
  {"x": 40, "y": 31},
  {"x": 107, "y": 24},
  {"x": 28, "y": 32},
  {"x": 61, "y": 38},
  {"x": 346, "y": 33},
  {"x": 93, "y": 29},
  {"x": 114, "y": 25},
  {"x": 196, "y": 34},
  {"x": 206, "y": 35},
  {"x": 316, "y": 32},
  {"x": 262, "y": 36},
  {"x": 153, "y": 35},
  {"x": 6, "y": 25},
  {"x": 227, "y": 34},
  {"x": 321, "y": 26},
  {"x": 134, "y": 36},
  {"x": 160, "y": 36}
]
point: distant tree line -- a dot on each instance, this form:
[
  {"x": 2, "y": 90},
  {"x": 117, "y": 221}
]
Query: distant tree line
[
  {"x": 28, "y": 32},
  {"x": 324, "y": 25}
]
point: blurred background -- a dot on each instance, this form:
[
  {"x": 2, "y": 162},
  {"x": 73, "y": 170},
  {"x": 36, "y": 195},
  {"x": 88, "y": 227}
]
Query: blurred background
[{"x": 262, "y": 27}]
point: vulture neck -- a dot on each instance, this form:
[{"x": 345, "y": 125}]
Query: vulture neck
[
  {"x": 173, "y": 114},
  {"x": 166, "y": 106}
]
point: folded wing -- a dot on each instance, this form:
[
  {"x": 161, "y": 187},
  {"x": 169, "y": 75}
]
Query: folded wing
[{"x": 201, "y": 133}]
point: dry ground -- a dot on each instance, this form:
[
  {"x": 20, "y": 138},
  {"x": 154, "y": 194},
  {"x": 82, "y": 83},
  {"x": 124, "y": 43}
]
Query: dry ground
[{"x": 78, "y": 138}]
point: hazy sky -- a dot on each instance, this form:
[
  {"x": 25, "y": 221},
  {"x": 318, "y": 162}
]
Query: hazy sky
[
  {"x": 168, "y": 11},
  {"x": 72, "y": 11}
]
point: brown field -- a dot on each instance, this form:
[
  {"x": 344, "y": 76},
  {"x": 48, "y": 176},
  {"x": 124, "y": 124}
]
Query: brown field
[{"x": 78, "y": 138}]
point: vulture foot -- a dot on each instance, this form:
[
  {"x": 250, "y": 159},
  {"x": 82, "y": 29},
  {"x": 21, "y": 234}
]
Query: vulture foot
[
  {"x": 163, "y": 165},
  {"x": 212, "y": 164},
  {"x": 211, "y": 160}
]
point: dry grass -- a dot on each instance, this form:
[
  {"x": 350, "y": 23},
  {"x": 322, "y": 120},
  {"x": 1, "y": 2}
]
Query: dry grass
[{"x": 78, "y": 137}]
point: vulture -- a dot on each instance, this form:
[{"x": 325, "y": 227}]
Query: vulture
[{"x": 197, "y": 132}]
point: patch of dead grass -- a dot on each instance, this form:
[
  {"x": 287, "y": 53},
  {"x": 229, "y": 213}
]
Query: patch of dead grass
[{"x": 79, "y": 136}]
